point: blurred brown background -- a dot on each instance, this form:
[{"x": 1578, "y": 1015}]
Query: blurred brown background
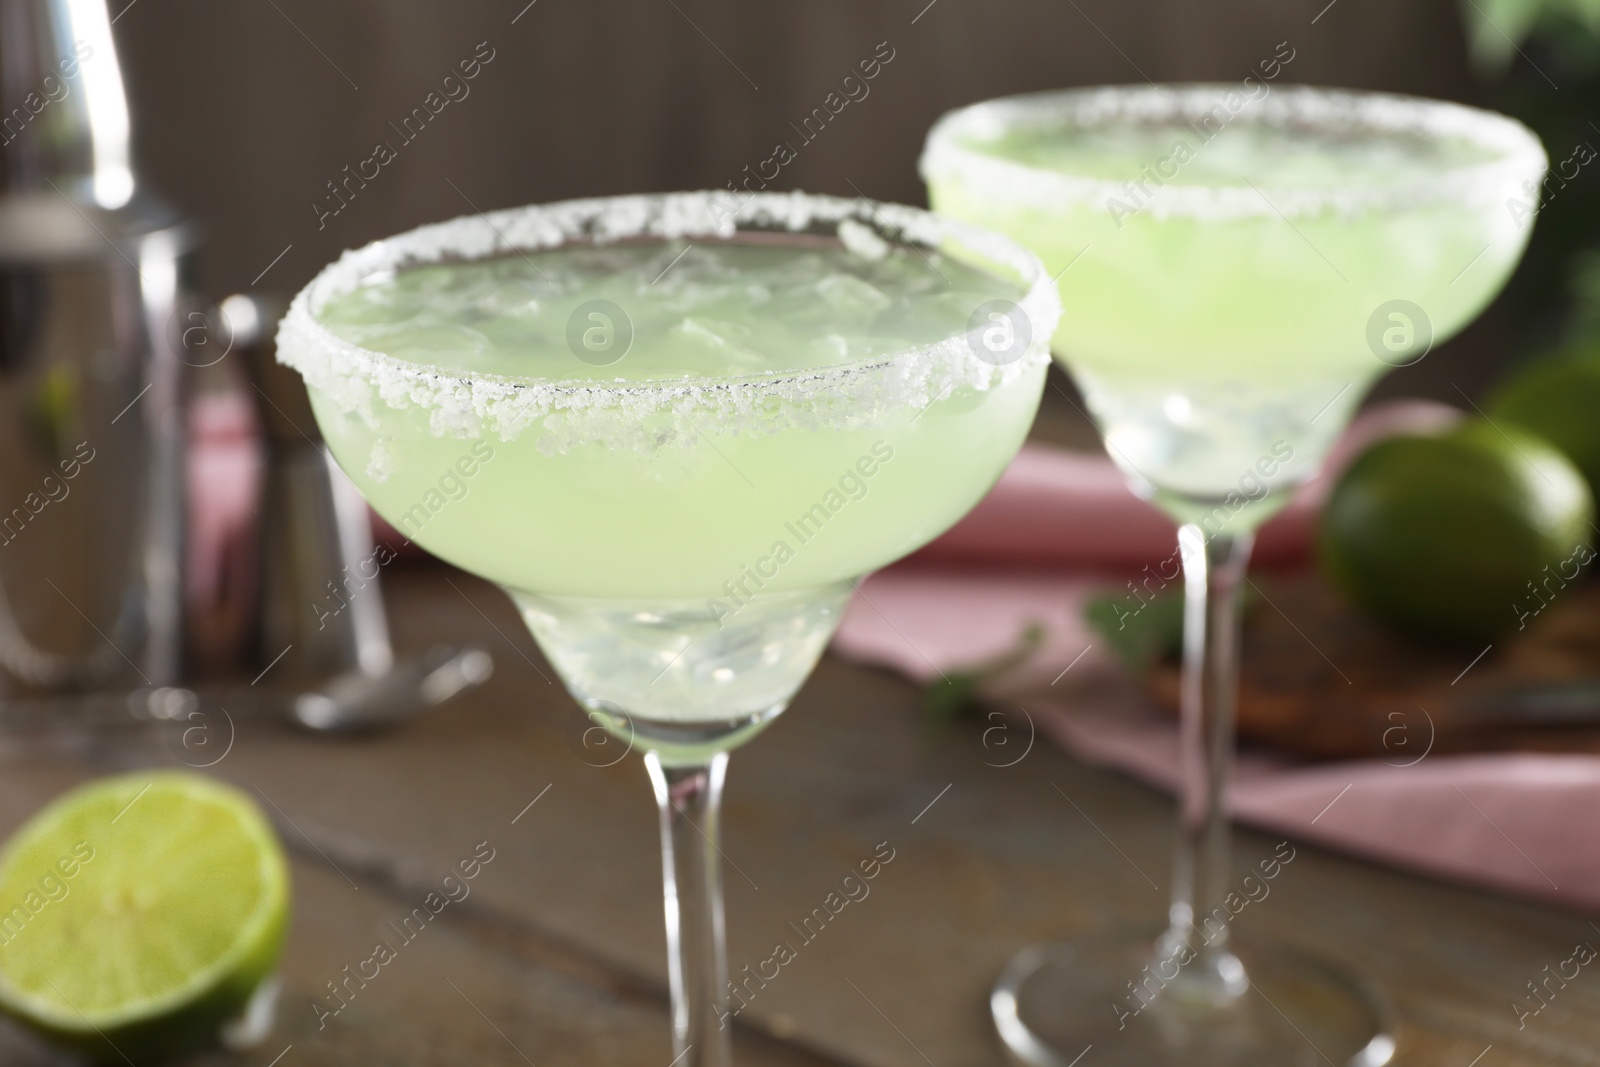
[{"x": 245, "y": 110}]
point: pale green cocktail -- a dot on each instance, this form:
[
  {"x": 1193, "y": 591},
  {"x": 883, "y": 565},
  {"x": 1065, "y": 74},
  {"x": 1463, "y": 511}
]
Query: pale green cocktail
[
  {"x": 1235, "y": 266},
  {"x": 639, "y": 504},
  {"x": 1233, "y": 282},
  {"x": 676, "y": 432},
  {"x": 680, "y": 526}
]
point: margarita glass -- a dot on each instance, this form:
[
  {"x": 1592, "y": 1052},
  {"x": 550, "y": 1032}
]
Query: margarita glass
[
  {"x": 676, "y": 430},
  {"x": 1235, "y": 265}
]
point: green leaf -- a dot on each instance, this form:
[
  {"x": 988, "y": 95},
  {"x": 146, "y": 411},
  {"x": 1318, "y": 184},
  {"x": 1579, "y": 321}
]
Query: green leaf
[
  {"x": 1496, "y": 29},
  {"x": 1140, "y": 633},
  {"x": 956, "y": 692}
]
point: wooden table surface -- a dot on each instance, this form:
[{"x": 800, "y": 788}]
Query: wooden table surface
[{"x": 557, "y": 955}]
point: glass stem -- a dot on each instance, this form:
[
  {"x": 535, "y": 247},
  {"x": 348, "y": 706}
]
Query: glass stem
[
  {"x": 690, "y": 802},
  {"x": 1213, "y": 572}
]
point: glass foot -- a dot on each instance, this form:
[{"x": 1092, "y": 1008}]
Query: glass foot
[{"x": 1119, "y": 997}]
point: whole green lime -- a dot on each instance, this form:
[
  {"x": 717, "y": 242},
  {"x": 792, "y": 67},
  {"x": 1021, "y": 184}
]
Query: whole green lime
[
  {"x": 1443, "y": 535},
  {"x": 1558, "y": 399},
  {"x": 140, "y": 913}
]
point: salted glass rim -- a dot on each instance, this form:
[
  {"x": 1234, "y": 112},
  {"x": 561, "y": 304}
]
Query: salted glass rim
[
  {"x": 305, "y": 344},
  {"x": 949, "y": 151}
]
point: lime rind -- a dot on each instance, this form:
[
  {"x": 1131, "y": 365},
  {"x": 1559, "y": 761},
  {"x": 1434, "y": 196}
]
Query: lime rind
[
  {"x": 1557, "y": 399},
  {"x": 208, "y": 992},
  {"x": 1446, "y": 536}
]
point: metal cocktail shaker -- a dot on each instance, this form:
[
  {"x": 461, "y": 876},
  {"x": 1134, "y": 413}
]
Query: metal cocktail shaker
[{"x": 91, "y": 370}]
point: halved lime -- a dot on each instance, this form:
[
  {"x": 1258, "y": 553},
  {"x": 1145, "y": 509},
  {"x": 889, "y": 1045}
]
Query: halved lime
[{"x": 139, "y": 913}]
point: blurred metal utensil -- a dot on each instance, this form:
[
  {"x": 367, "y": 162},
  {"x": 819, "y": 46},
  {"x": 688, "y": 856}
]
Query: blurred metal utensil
[
  {"x": 353, "y": 702},
  {"x": 322, "y": 607},
  {"x": 357, "y": 701},
  {"x": 91, "y": 374},
  {"x": 1542, "y": 705}
]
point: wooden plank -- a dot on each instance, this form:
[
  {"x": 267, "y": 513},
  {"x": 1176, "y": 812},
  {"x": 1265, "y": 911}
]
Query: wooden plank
[
  {"x": 986, "y": 859},
  {"x": 464, "y": 986},
  {"x": 560, "y": 946}
]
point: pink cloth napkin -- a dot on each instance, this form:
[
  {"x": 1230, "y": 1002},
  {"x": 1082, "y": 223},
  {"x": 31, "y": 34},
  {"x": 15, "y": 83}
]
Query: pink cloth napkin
[{"x": 1060, "y": 528}]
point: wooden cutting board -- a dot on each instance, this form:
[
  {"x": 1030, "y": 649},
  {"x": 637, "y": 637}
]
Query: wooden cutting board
[{"x": 1321, "y": 680}]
